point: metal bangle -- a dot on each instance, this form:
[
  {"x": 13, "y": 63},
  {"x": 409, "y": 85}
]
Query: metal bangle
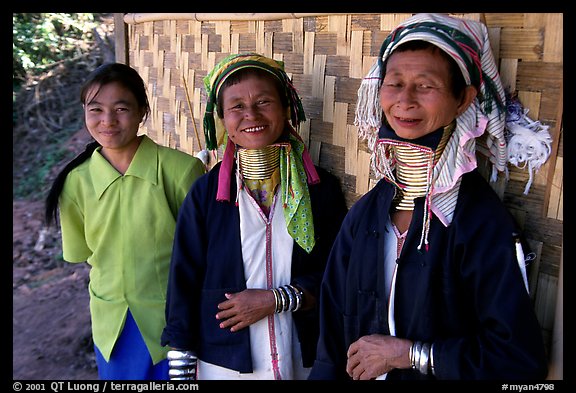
[
  {"x": 280, "y": 300},
  {"x": 417, "y": 351},
  {"x": 181, "y": 365},
  {"x": 291, "y": 297},
  {"x": 298, "y": 294},
  {"x": 276, "y": 300},
  {"x": 182, "y": 374},
  {"x": 176, "y": 354},
  {"x": 424, "y": 359},
  {"x": 284, "y": 297},
  {"x": 432, "y": 370}
]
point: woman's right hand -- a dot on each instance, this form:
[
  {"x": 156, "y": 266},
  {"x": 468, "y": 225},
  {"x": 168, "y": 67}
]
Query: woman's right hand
[{"x": 242, "y": 309}]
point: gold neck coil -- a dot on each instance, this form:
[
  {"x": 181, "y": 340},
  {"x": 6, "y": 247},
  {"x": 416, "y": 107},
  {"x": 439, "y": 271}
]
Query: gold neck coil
[
  {"x": 414, "y": 166},
  {"x": 259, "y": 164}
]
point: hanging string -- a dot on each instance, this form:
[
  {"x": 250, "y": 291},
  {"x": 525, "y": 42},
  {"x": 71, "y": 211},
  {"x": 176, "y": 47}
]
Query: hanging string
[{"x": 191, "y": 112}]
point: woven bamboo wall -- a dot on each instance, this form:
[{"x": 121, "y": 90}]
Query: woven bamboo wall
[{"x": 326, "y": 56}]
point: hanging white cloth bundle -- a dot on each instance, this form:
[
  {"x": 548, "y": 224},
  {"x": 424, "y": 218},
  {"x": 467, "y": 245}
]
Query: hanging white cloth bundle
[{"x": 528, "y": 142}]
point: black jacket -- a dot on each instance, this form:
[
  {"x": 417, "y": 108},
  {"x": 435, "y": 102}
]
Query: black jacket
[
  {"x": 207, "y": 262},
  {"x": 465, "y": 294}
]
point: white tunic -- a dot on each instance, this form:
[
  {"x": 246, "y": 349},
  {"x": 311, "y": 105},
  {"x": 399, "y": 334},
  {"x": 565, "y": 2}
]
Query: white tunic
[
  {"x": 276, "y": 333},
  {"x": 391, "y": 240}
]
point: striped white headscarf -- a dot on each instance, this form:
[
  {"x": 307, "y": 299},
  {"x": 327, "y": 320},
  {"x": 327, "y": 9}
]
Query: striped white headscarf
[{"x": 467, "y": 42}]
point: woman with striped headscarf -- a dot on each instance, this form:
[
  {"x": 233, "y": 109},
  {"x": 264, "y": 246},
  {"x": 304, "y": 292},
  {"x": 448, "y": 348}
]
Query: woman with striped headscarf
[
  {"x": 252, "y": 237},
  {"x": 426, "y": 279}
]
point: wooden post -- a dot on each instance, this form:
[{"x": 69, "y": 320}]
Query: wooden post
[
  {"x": 556, "y": 365},
  {"x": 121, "y": 39}
]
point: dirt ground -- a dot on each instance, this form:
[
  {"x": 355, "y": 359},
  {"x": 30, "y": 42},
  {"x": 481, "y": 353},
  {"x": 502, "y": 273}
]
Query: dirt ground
[{"x": 50, "y": 317}]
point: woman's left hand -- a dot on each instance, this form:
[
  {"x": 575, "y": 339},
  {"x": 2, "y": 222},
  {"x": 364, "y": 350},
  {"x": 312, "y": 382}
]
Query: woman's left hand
[
  {"x": 376, "y": 354},
  {"x": 242, "y": 309}
]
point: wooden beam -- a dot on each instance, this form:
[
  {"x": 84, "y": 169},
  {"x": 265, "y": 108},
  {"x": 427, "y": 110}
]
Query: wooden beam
[{"x": 121, "y": 39}]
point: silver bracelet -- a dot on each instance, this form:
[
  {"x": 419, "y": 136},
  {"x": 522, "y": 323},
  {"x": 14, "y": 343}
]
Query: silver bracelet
[
  {"x": 291, "y": 297},
  {"x": 424, "y": 359},
  {"x": 285, "y": 300},
  {"x": 181, "y": 365},
  {"x": 276, "y": 300},
  {"x": 417, "y": 351},
  {"x": 432, "y": 360},
  {"x": 298, "y": 293}
]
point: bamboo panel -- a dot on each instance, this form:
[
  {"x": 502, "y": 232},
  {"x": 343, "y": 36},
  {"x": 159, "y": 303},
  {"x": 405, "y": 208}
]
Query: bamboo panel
[
  {"x": 315, "y": 24},
  {"x": 338, "y": 66},
  {"x": 389, "y": 21},
  {"x": 539, "y": 76},
  {"x": 324, "y": 43},
  {"x": 545, "y": 303},
  {"x": 315, "y": 151},
  {"x": 554, "y": 39},
  {"x": 328, "y": 104},
  {"x": 536, "y": 20},
  {"x": 331, "y": 158},
  {"x": 308, "y": 61},
  {"x": 356, "y": 41},
  {"x": 273, "y": 26},
  {"x": 378, "y": 38},
  {"x": 363, "y": 172},
  {"x": 531, "y": 102},
  {"x": 523, "y": 44},
  {"x": 533, "y": 267},
  {"x": 556, "y": 369},
  {"x": 319, "y": 66},
  {"x": 294, "y": 65},
  {"x": 508, "y": 72},
  {"x": 494, "y": 37},
  {"x": 508, "y": 19},
  {"x": 546, "y": 78},
  {"x": 351, "y": 152},
  {"x": 555, "y": 203},
  {"x": 347, "y": 91},
  {"x": 339, "y": 24},
  {"x": 364, "y": 22},
  {"x": 322, "y": 131},
  {"x": 340, "y": 128}
]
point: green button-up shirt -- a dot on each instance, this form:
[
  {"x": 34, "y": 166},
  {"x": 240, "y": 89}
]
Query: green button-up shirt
[{"x": 123, "y": 226}]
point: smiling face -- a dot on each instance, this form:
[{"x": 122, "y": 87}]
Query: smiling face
[
  {"x": 416, "y": 94},
  {"x": 112, "y": 115},
  {"x": 253, "y": 112}
]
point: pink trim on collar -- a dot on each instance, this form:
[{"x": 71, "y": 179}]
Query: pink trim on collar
[{"x": 225, "y": 174}]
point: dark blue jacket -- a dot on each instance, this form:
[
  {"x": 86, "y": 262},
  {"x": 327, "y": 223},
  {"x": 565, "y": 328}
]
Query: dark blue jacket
[
  {"x": 207, "y": 262},
  {"x": 465, "y": 294}
]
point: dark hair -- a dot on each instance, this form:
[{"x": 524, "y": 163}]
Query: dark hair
[
  {"x": 101, "y": 76},
  {"x": 242, "y": 74},
  {"x": 458, "y": 83}
]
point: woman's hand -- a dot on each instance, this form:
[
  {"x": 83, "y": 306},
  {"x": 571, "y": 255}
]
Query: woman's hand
[
  {"x": 242, "y": 309},
  {"x": 376, "y": 354}
]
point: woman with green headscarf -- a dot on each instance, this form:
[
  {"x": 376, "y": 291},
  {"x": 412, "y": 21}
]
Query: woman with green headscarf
[{"x": 252, "y": 237}]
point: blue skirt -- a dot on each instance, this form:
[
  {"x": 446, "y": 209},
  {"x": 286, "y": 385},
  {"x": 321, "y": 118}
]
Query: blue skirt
[{"x": 130, "y": 359}]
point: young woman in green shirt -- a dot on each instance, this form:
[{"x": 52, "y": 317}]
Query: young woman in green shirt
[{"x": 117, "y": 203}]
